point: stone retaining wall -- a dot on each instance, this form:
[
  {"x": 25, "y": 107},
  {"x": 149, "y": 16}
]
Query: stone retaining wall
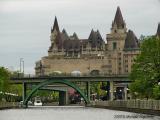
[
  {"x": 138, "y": 104},
  {"x": 5, "y": 105}
]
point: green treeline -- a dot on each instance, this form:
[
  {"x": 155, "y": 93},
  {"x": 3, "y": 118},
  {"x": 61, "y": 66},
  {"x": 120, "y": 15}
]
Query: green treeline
[
  {"x": 146, "y": 70},
  {"x": 8, "y": 92}
]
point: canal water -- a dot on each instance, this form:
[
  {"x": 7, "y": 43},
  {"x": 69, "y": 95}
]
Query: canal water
[{"x": 70, "y": 113}]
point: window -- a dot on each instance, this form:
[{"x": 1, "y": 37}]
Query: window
[
  {"x": 126, "y": 61},
  {"x": 114, "y": 45},
  {"x": 110, "y": 71},
  {"x": 126, "y": 71}
]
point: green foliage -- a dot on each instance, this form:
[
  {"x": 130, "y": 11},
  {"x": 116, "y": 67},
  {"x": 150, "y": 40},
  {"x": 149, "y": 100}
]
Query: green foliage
[
  {"x": 96, "y": 88},
  {"x": 5, "y": 86},
  {"x": 156, "y": 92},
  {"x": 16, "y": 89},
  {"x": 146, "y": 70},
  {"x": 46, "y": 95},
  {"x": 4, "y": 79}
]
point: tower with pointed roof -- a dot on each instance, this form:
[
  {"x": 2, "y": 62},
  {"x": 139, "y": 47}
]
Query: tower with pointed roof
[
  {"x": 131, "y": 41},
  {"x": 56, "y": 40},
  {"x": 95, "y": 40},
  {"x": 122, "y": 46},
  {"x": 118, "y": 24}
]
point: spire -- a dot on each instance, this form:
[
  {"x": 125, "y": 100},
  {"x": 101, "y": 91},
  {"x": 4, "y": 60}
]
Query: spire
[
  {"x": 64, "y": 35},
  {"x": 92, "y": 35},
  {"x": 158, "y": 30},
  {"x": 75, "y": 36},
  {"x": 99, "y": 37},
  {"x": 57, "y": 39},
  {"x": 64, "y": 31},
  {"x": 118, "y": 20},
  {"x": 131, "y": 41},
  {"x": 55, "y": 26}
]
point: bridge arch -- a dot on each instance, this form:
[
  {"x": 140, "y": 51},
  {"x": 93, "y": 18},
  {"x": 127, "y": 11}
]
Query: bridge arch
[{"x": 47, "y": 82}]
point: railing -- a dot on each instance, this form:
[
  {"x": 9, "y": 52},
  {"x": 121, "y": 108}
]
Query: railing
[
  {"x": 139, "y": 104},
  {"x": 68, "y": 75},
  {"x": 4, "y": 105}
]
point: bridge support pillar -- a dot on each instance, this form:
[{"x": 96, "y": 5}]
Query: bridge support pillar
[
  {"x": 24, "y": 91},
  {"x": 111, "y": 90},
  {"x": 108, "y": 89},
  {"x": 63, "y": 98},
  {"x": 88, "y": 90},
  {"x": 24, "y": 94},
  {"x": 125, "y": 93}
]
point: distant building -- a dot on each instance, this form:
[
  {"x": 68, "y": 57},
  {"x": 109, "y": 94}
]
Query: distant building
[{"x": 92, "y": 55}]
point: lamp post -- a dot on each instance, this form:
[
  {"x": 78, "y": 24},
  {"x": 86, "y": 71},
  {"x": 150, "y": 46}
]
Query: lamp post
[
  {"x": 21, "y": 65},
  {"x": 21, "y": 59}
]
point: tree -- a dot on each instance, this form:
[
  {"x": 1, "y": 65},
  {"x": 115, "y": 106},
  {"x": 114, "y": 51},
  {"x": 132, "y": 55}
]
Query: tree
[
  {"x": 146, "y": 70},
  {"x": 6, "y": 87},
  {"x": 96, "y": 88},
  {"x": 4, "y": 79}
]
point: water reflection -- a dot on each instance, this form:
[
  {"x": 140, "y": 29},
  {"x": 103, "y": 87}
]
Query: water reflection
[{"x": 70, "y": 113}]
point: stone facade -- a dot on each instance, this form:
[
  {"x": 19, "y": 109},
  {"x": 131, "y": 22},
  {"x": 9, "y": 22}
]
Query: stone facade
[{"x": 69, "y": 53}]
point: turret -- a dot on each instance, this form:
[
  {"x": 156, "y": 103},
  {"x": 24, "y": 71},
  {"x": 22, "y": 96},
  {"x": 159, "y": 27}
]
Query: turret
[
  {"x": 55, "y": 25},
  {"x": 95, "y": 39},
  {"x": 118, "y": 25},
  {"x": 64, "y": 35},
  {"x": 131, "y": 41},
  {"x": 56, "y": 40}
]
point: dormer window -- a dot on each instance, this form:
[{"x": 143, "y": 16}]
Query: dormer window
[{"x": 114, "y": 45}]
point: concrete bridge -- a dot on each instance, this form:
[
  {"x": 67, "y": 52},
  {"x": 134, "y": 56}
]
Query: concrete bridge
[{"x": 45, "y": 82}]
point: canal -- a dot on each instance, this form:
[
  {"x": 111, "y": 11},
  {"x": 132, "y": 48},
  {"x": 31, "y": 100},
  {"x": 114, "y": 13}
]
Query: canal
[{"x": 70, "y": 113}]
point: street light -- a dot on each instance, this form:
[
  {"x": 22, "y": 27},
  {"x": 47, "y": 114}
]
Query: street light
[{"x": 21, "y": 65}]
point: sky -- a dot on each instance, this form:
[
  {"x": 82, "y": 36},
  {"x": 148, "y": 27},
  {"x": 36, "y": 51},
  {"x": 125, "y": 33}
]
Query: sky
[{"x": 25, "y": 24}]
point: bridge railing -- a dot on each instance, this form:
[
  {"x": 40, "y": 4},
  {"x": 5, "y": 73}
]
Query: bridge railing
[
  {"x": 139, "y": 104},
  {"x": 20, "y": 75}
]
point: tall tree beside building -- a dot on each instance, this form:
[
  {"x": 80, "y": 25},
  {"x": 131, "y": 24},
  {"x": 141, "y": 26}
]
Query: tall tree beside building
[
  {"x": 146, "y": 70},
  {"x": 4, "y": 79}
]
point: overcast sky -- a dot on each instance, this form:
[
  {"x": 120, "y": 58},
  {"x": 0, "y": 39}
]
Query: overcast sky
[{"x": 25, "y": 24}]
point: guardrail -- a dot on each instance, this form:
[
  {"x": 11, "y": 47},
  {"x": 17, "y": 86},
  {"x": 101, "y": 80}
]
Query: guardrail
[
  {"x": 139, "y": 104},
  {"x": 4, "y": 105},
  {"x": 19, "y": 75}
]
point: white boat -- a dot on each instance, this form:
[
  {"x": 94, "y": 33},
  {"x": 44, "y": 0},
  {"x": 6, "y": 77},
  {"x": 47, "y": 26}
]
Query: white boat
[{"x": 38, "y": 102}]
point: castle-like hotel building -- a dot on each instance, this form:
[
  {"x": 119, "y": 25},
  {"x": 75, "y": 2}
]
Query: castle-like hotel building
[{"x": 91, "y": 56}]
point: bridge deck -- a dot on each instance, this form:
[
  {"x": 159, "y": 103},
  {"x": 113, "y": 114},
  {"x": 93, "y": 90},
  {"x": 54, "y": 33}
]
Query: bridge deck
[{"x": 120, "y": 78}]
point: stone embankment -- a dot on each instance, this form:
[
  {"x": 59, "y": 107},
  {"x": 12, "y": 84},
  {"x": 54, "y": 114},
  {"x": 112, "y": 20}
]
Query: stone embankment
[
  {"x": 151, "y": 107},
  {"x": 7, "y": 105}
]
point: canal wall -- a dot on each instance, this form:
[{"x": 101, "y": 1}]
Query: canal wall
[
  {"x": 151, "y": 107},
  {"x": 7, "y": 105}
]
